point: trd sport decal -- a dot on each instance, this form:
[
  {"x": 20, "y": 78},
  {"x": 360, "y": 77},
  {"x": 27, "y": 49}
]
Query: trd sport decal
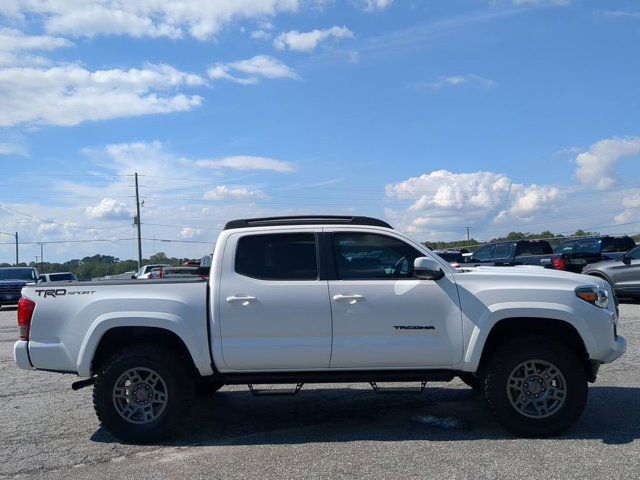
[
  {"x": 414, "y": 327},
  {"x": 61, "y": 292}
]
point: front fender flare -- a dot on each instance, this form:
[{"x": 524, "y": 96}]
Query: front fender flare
[{"x": 502, "y": 311}]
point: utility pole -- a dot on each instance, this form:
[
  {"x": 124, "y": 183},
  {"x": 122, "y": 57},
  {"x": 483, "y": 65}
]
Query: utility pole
[
  {"x": 468, "y": 237},
  {"x": 16, "y": 237},
  {"x": 136, "y": 222},
  {"x": 41, "y": 256}
]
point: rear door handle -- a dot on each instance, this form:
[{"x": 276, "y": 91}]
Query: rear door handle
[
  {"x": 242, "y": 299},
  {"x": 350, "y": 298}
]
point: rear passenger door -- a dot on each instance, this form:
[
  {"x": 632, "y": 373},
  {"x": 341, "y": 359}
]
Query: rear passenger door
[{"x": 274, "y": 304}]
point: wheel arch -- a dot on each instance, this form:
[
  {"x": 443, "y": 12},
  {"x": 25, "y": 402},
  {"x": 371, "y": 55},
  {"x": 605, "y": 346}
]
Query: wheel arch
[
  {"x": 117, "y": 338},
  {"x": 510, "y": 328}
]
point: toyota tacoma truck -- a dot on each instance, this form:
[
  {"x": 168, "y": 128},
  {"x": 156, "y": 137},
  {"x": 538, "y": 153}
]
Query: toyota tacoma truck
[{"x": 325, "y": 300}]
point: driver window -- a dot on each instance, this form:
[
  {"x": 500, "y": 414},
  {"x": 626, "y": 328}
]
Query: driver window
[
  {"x": 635, "y": 254},
  {"x": 364, "y": 256}
]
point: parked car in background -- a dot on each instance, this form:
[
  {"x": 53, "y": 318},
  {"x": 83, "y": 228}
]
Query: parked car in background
[
  {"x": 514, "y": 252},
  {"x": 12, "y": 280},
  {"x": 622, "y": 274},
  {"x": 579, "y": 252},
  {"x": 58, "y": 277},
  {"x": 454, "y": 257},
  {"x": 176, "y": 272},
  {"x": 146, "y": 269}
]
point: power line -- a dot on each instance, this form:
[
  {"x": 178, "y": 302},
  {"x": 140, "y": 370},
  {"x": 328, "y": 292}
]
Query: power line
[{"x": 2, "y": 205}]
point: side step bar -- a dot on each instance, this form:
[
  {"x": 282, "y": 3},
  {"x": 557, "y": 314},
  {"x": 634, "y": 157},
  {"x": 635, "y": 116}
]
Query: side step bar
[
  {"x": 407, "y": 389},
  {"x": 274, "y": 392}
]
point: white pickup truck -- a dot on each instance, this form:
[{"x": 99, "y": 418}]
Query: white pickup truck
[{"x": 325, "y": 299}]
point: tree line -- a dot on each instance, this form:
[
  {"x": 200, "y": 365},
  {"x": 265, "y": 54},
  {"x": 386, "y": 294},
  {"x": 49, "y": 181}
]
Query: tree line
[{"x": 99, "y": 265}]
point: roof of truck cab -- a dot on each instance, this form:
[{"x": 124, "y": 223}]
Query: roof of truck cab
[{"x": 306, "y": 220}]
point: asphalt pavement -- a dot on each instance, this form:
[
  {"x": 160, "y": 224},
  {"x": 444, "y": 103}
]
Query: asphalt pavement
[{"x": 326, "y": 431}]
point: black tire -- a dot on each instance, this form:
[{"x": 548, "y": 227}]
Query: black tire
[
  {"x": 524, "y": 349},
  {"x": 175, "y": 377},
  {"x": 472, "y": 381}
]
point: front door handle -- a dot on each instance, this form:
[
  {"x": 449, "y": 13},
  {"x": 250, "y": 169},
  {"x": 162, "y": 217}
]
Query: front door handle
[
  {"x": 350, "y": 298},
  {"x": 242, "y": 299}
]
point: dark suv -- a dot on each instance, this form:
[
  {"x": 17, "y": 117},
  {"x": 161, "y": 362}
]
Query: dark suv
[
  {"x": 579, "y": 252},
  {"x": 12, "y": 279},
  {"x": 515, "y": 252}
]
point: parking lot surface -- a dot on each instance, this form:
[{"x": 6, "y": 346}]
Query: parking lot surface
[{"x": 327, "y": 431}]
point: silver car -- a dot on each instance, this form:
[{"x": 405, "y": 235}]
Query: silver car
[{"x": 622, "y": 274}]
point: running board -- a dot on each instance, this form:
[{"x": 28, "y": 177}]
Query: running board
[
  {"x": 274, "y": 392},
  {"x": 407, "y": 389}
]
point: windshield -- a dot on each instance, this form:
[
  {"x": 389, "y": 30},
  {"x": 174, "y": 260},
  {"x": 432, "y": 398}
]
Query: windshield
[{"x": 17, "y": 274}]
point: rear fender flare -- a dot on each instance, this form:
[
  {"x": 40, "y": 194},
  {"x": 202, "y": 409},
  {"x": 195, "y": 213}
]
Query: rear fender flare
[{"x": 166, "y": 321}]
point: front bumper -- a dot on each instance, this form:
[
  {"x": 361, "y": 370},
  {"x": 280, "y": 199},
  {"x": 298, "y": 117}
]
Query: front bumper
[
  {"x": 21, "y": 355},
  {"x": 619, "y": 347}
]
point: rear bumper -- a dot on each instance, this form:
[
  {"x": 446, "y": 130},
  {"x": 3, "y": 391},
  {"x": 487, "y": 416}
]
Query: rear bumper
[
  {"x": 21, "y": 355},
  {"x": 619, "y": 347}
]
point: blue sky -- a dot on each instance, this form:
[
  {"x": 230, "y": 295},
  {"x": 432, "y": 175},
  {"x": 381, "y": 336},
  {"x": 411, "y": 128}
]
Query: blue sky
[{"x": 435, "y": 115}]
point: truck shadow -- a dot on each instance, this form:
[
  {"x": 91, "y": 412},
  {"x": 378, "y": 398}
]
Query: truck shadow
[{"x": 345, "y": 415}]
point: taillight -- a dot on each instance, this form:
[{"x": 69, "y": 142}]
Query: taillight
[
  {"x": 25, "y": 312},
  {"x": 558, "y": 263}
]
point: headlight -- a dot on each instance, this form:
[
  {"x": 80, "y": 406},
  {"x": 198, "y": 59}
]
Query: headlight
[{"x": 597, "y": 296}]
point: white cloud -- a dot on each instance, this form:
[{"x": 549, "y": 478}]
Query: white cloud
[
  {"x": 308, "y": 41},
  {"x": 618, "y": 13},
  {"x": 108, "y": 209},
  {"x": 68, "y": 95},
  {"x": 469, "y": 198},
  {"x": 260, "y": 35},
  {"x": 373, "y": 5},
  {"x": 596, "y": 167},
  {"x": 252, "y": 69},
  {"x": 631, "y": 203},
  {"x": 223, "y": 192},
  {"x": 190, "y": 233},
  {"x": 466, "y": 80},
  {"x": 247, "y": 162},
  {"x": 14, "y": 42},
  {"x": 7, "y": 148},
  {"x": 169, "y": 18}
]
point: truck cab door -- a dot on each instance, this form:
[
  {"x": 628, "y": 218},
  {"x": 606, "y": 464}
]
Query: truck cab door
[
  {"x": 382, "y": 315},
  {"x": 273, "y": 301}
]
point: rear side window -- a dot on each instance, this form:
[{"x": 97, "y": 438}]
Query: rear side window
[
  {"x": 284, "y": 256},
  {"x": 62, "y": 277},
  {"x": 610, "y": 244},
  {"x": 502, "y": 250},
  {"x": 624, "y": 244},
  {"x": 484, "y": 253}
]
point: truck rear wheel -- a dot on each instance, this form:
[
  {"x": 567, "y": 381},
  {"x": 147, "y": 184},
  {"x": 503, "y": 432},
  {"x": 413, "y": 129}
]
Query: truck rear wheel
[
  {"x": 535, "y": 387},
  {"x": 141, "y": 394}
]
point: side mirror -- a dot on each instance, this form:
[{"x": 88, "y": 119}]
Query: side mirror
[
  {"x": 427, "y": 269},
  {"x": 626, "y": 259}
]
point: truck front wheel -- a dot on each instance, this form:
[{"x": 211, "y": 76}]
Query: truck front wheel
[
  {"x": 141, "y": 394},
  {"x": 535, "y": 387}
]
